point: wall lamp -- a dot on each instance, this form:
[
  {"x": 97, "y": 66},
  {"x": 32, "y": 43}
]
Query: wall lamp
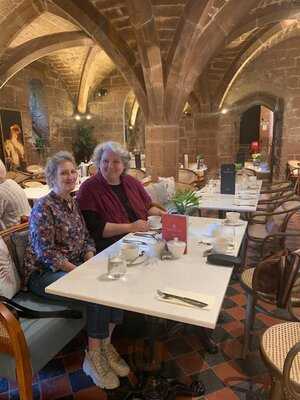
[
  {"x": 101, "y": 92},
  {"x": 79, "y": 116}
]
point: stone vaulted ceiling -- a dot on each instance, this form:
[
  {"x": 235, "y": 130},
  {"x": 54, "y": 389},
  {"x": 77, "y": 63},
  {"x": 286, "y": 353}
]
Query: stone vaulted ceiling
[{"x": 169, "y": 51}]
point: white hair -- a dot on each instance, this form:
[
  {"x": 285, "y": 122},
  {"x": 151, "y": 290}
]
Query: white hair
[
  {"x": 116, "y": 148},
  {"x": 53, "y": 163}
]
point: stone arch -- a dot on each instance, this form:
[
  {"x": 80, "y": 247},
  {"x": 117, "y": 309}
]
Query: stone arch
[
  {"x": 34, "y": 49},
  {"x": 276, "y": 105},
  {"x": 200, "y": 51},
  {"x": 88, "y": 17}
]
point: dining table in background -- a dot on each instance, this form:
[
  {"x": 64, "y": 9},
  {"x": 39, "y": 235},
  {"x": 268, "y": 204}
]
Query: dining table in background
[
  {"x": 35, "y": 193},
  {"x": 244, "y": 200}
]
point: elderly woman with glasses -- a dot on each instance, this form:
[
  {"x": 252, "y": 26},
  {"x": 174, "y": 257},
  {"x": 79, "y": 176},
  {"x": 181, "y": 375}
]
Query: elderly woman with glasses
[
  {"x": 112, "y": 202},
  {"x": 58, "y": 243}
]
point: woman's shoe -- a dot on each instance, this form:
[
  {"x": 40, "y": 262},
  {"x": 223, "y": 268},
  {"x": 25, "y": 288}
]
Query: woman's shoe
[
  {"x": 115, "y": 361},
  {"x": 96, "y": 366}
]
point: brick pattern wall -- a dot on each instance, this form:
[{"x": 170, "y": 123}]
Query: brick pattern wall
[
  {"x": 15, "y": 96},
  {"x": 277, "y": 73},
  {"x": 108, "y": 111}
]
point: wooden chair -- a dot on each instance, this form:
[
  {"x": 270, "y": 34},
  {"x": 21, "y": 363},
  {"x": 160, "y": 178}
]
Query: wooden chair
[
  {"x": 26, "y": 346},
  {"x": 280, "y": 348},
  {"x": 189, "y": 177},
  {"x": 91, "y": 170},
  {"x": 137, "y": 173},
  {"x": 265, "y": 223},
  {"x": 12, "y": 342},
  {"x": 249, "y": 280}
]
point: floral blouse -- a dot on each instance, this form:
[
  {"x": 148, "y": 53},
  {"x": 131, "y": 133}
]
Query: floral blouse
[{"x": 57, "y": 233}]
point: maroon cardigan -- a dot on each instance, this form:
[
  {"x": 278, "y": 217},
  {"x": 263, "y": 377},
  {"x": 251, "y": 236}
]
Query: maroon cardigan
[{"x": 96, "y": 195}]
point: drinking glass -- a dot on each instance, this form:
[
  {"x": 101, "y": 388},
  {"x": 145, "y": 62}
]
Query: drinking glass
[{"x": 116, "y": 266}]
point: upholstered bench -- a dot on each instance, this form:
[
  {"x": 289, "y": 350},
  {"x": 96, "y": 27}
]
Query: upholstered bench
[{"x": 27, "y": 345}]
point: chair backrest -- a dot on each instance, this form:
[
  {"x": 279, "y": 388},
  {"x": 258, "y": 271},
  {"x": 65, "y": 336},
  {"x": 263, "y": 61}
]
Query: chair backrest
[
  {"x": 187, "y": 176},
  {"x": 32, "y": 184},
  {"x": 16, "y": 239},
  {"x": 92, "y": 170},
  {"x": 275, "y": 276},
  {"x": 137, "y": 173}
]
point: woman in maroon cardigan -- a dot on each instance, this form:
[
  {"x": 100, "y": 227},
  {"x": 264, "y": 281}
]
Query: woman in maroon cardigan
[{"x": 112, "y": 202}]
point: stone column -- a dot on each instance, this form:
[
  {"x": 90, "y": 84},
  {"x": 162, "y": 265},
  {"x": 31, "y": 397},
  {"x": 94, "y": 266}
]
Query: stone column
[{"x": 161, "y": 150}]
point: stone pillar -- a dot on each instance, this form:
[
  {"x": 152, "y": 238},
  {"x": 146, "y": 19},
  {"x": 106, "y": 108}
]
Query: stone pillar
[{"x": 161, "y": 150}]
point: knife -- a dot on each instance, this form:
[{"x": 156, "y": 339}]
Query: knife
[{"x": 188, "y": 300}]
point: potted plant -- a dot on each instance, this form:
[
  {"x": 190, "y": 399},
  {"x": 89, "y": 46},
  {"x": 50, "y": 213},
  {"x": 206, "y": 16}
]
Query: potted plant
[
  {"x": 84, "y": 143},
  {"x": 257, "y": 158},
  {"x": 186, "y": 201}
]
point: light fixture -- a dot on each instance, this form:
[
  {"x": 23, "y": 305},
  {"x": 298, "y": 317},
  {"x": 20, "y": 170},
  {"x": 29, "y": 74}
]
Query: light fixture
[
  {"x": 77, "y": 117},
  {"x": 101, "y": 92},
  {"x": 88, "y": 116},
  {"x": 224, "y": 111}
]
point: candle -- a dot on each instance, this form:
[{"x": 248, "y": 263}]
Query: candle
[{"x": 186, "y": 160}]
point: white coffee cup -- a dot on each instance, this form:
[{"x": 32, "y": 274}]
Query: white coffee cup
[
  {"x": 232, "y": 216},
  {"x": 154, "y": 221},
  {"x": 130, "y": 251}
]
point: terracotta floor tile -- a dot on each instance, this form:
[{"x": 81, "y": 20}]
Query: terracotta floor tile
[
  {"x": 267, "y": 320},
  {"x": 223, "y": 394},
  {"x": 92, "y": 393},
  {"x": 73, "y": 361},
  {"x": 192, "y": 363},
  {"x": 55, "y": 388},
  {"x": 228, "y": 370},
  {"x": 239, "y": 299},
  {"x": 235, "y": 328},
  {"x": 236, "y": 312},
  {"x": 232, "y": 348}
]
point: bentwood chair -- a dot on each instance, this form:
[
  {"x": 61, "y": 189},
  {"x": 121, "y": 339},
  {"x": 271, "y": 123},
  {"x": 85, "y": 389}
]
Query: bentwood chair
[
  {"x": 265, "y": 223},
  {"x": 253, "y": 280},
  {"x": 189, "y": 177},
  {"x": 137, "y": 173},
  {"x": 280, "y": 351}
]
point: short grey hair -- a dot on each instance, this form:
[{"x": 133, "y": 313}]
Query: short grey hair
[
  {"x": 53, "y": 163},
  {"x": 116, "y": 148}
]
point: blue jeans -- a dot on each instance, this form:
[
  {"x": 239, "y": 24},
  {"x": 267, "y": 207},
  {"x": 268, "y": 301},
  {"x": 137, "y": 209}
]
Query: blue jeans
[{"x": 98, "y": 316}]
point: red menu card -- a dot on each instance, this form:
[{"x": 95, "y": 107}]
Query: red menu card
[{"x": 174, "y": 226}]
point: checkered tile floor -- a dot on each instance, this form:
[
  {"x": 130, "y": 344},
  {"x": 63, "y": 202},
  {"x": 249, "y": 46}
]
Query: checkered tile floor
[{"x": 225, "y": 375}]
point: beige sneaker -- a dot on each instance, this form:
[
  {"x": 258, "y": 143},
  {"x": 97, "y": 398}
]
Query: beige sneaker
[
  {"x": 96, "y": 366},
  {"x": 115, "y": 361}
]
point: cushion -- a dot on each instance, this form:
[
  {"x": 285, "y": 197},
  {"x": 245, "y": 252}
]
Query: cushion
[
  {"x": 170, "y": 185},
  {"x": 20, "y": 241},
  {"x": 9, "y": 277},
  {"x": 158, "y": 192}
]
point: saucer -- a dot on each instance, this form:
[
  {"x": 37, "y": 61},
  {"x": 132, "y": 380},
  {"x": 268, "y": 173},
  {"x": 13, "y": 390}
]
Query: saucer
[
  {"x": 233, "y": 223},
  {"x": 140, "y": 260}
]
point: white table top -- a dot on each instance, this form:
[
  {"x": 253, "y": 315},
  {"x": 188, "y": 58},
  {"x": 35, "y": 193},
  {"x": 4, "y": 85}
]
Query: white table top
[
  {"x": 136, "y": 291},
  {"x": 34, "y": 193},
  {"x": 263, "y": 168},
  {"x": 242, "y": 201}
]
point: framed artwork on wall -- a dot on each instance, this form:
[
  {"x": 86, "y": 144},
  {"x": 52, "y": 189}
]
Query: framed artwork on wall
[{"x": 12, "y": 139}]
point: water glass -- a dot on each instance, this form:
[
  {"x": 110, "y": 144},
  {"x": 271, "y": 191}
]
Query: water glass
[{"x": 116, "y": 266}]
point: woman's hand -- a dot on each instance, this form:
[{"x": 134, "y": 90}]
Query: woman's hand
[
  {"x": 140, "y": 226},
  {"x": 88, "y": 255}
]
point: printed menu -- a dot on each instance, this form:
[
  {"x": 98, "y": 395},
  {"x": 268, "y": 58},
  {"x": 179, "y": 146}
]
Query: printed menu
[{"x": 175, "y": 226}]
